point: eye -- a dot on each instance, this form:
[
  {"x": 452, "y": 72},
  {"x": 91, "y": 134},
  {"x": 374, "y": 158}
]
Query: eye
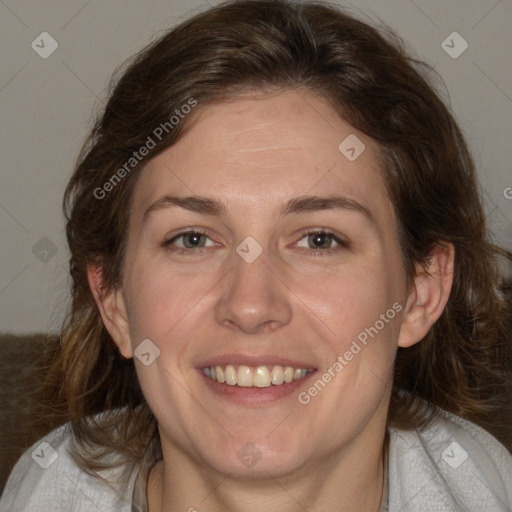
[
  {"x": 188, "y": 242},
  {"x": 321, "y": 241}
]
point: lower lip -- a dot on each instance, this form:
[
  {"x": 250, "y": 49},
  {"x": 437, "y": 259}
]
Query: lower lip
[{"x": 255, "y": 396}]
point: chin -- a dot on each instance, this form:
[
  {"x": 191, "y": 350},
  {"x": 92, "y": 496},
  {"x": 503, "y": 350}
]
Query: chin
[{"x": 246, "y": 460}]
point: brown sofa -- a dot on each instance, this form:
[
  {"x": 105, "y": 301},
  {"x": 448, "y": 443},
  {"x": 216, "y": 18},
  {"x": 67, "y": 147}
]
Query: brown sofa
[{"x": 21, "y": 374}]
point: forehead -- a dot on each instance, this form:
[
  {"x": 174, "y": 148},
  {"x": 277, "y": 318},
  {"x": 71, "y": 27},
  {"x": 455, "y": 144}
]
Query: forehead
[{"x": 266, "y": 149}]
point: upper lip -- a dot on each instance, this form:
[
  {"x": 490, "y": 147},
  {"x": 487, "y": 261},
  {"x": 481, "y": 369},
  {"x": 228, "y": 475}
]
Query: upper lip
[{"x": 254, "y": 360}]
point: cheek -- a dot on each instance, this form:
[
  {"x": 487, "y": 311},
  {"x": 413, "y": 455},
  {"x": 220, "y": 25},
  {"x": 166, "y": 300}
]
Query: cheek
[
  {"x": 160, "y": 299},
  {"x": 360, "y": 308},
  {"x": 351, "y": 299}
]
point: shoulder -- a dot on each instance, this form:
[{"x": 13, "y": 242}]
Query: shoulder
[
  {"x": 450, "y": 465},
  {"x": 47, "y": 478}
]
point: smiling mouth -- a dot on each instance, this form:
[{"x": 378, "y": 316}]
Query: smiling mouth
[{"x": 250, "y": 376}]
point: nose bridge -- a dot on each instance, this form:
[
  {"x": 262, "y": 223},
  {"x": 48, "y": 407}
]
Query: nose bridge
[{"x": 253, "y": 296}]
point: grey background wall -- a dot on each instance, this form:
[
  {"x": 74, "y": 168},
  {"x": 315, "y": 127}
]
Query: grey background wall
[{"x": 47, "y": 106}]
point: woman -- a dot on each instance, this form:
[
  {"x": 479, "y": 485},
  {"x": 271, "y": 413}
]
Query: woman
[{"x": 283, "y": 293}]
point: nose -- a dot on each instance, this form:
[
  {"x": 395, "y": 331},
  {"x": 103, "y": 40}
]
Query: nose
[{"x": 254, "y": 298}]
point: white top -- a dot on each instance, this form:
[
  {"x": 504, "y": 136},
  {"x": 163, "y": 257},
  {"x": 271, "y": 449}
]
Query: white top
[{"x": 451, "y": 466}]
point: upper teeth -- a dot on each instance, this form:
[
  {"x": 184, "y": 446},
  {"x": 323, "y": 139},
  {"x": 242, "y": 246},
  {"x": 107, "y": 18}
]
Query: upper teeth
[{"x": 261, "y": 376}]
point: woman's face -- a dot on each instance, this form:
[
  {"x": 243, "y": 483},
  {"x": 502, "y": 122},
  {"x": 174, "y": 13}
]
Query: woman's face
[{"x": 257, "y": 291}]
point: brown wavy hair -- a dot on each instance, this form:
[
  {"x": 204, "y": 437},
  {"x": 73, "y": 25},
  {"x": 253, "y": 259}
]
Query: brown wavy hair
[{"x": 462, "y": 365}]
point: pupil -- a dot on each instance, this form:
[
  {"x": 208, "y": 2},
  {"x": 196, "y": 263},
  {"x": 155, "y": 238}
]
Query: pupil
[{"x": 194, "y": 238}]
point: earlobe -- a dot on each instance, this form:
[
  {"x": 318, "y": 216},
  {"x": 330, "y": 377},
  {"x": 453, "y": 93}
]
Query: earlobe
[
  {"x": 428, "y": 295},
  {"x": 111, "y": 305}
]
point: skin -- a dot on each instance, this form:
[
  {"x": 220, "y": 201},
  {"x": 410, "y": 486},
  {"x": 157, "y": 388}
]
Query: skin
[{"x": 255, "y": 153}]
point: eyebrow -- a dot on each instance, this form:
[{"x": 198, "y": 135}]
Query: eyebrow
[{"x": 297, "y": 205}]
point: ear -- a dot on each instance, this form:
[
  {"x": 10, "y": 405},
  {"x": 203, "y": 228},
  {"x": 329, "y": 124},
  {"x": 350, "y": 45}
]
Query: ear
[
  {"x": 428, "y": 294},
  {"x": 112, "y": 308}
]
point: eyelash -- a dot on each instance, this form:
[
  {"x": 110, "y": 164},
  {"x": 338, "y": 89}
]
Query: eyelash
[{"x": 342, "y": 244}]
